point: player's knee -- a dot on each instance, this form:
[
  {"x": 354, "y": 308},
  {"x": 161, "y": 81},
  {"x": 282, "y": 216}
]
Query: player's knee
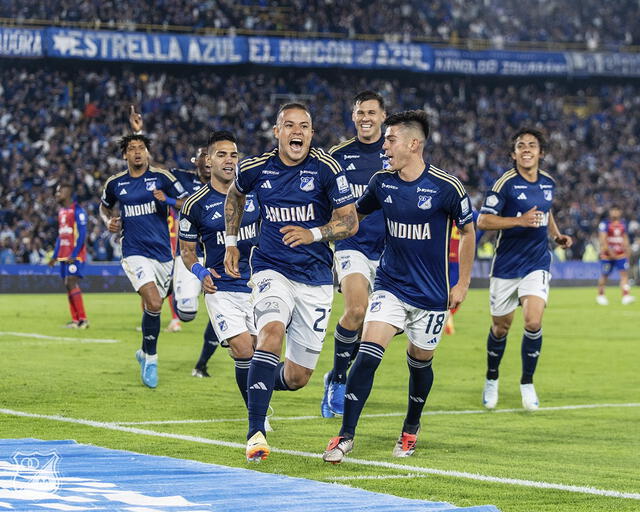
[
  {"x": 154, "y": 305},
  {"x": 297, "y": 380},
  {"x": 533, "y": 325},
  {"x": 186, "y": 316},
  {"x": 356, "y": 313},
  {"x": 500, "y": 329}
]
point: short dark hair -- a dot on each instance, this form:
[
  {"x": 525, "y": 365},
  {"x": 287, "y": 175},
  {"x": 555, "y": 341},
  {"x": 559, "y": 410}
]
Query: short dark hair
[
  {"x": 124, "y": 141},
  {"x": 366, "y": 96},
  {"x": 293, "y": 105},
  {"x": 218, "y": 135},
  {"x": 411, "y": 119},
  {"x": 526, "y": 130}
]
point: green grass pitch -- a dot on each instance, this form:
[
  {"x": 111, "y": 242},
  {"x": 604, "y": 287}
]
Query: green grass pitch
[{"x": 590, "y": 357}]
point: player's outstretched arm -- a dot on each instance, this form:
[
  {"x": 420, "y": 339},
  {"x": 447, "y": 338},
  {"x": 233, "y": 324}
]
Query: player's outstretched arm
[
  {"x": 563, "y": 241},
  {"x": 343, "y": 224},
  {"x": 114, "y": 224},
  {"x": 135, "y": 120},
  {"x": 190, "y": 260},
  {"x": 233, "y": 210},
  {"x": 467, "y": 251},
  {"x": 529, "y": 219}
]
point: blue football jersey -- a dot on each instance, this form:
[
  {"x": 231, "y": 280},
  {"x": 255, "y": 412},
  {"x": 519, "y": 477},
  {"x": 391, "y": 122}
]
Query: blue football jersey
[
  {"x": 191, "y": 183},
  {"x": 302, "y": 195},
  {"x": 202, "y": 221},
  {"x": 360, "y": 162},
  {"x": 144, "y": 219},
  {"x": 418, "y": 217},
  {"x": 520, "y": 251}
]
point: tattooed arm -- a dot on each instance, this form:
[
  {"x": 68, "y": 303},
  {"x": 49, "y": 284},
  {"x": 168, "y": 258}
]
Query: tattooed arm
[
  {"x": 233, "y": 210},
  {"x": 343, "y": 224}
]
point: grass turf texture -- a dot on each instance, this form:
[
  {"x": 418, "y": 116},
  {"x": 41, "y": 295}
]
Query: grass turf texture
[{"x": 589, "y": 356}]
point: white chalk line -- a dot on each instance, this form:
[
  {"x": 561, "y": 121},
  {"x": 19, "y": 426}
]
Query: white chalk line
[
  {"x": 362, "y": 462},
  {"x": 56, "y": 338},
  {"x": 380, "y": 415}
]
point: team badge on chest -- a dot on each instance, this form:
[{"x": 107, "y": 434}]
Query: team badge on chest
[
  {"x": 150, "y": 185},
  {"x": 306, "y": 183},
  {"x": 548, "y": 195},
  {"x": 424, "y": 202}
]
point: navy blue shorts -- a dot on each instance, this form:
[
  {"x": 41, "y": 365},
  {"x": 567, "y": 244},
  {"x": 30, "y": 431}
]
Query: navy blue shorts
[{"x": 75, "y": 269}]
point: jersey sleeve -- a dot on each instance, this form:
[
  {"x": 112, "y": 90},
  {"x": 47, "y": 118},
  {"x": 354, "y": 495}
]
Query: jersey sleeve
[
  {"x": 109, "y": 198},
  {"x": 247, "y": 175},
  {"x": 81, "y": 224},
  {"x": 602, "y": 227},
  {"x": 368, "y": 202},
  {"x": 172, "y": 186},
  {"x": 493, "y": 202},
  {"x": 188, "y": 225},
  {"x": 336, "y": 183},
  {"x": 459, "y": 206}
]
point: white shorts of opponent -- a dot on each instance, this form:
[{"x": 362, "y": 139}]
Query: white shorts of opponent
[
  {"x": 424, "y": 328},
  {"x": 505, "y": 294},
  {"x": 304, "y": 310},
  {"x": 142, "y": 270},
  {"x": 354, "y": 262},
  {"x": 231, "y": 313},
  {"x": 186, "y": 287}
]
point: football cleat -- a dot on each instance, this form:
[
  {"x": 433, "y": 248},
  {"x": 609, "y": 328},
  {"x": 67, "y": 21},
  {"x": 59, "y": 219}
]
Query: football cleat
[
  {"x": 71, "y": 325},
  {"x": 267, "y": 425},
  {"x": 336, "y": 397},
  {"x": 257, "y": 448},
  {"x": 337, "y": 448},
  {"x": 141, "y": 357},
  {"x": 602, "y": 300},
  {"x": 529, "y": 397},
  {"x": 200, "y": 372},
  {"x": 490, "y": 393},
  {"x": 150, "y": 374},
  {"x": 628, "y": 299},
  {"x": 406, "y": 444},
  {"x": 325, "y": 411},
  {"x": 174, "y": 325},
  {"x": 83, "y": 324}
]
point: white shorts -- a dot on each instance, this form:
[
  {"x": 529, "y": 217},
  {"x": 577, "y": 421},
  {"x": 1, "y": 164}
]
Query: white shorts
[
  {"x": 141, "y": 270},
  {"x": 304, "y": 309},
  {"x": 186, "y": 286},
  {"x": 505, "y": 294},
  {"x": 424, "y": 328},
  {"x": 231, "y": 313},
  {"x": 354, "y": 262}
]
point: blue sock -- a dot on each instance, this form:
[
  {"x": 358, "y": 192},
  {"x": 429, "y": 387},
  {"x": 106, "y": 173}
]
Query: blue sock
[
  {"x": 420, "y": 382},
  {"x": 531, "y": 345},
  {"x": 262, "y": 372},
  {"x": 280, "y": 384},
  {"x": 209, "y": 346},
  {"x": 359, "y": 384},
  {"x": 495, "y": 351},
  {"x": 345, "y": 342},
  {"x": 150, "y": 332},
  {"x": 242, "y": 374}
]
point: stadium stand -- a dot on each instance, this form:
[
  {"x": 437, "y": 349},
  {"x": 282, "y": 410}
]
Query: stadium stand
[
  {"x": 589, "y": 24},
  {"x": 62, "y": 121}
]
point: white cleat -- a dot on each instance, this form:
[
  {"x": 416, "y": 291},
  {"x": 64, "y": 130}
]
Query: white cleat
[
  {"x": 602, "y": 300},
  {"x": 174, "y": 325},
  {"x": 490, "y": 393},
  {"x": 337, "y": 448},
  {"x": 529, "y": 397},
  {"x": 628, "y": 299}
]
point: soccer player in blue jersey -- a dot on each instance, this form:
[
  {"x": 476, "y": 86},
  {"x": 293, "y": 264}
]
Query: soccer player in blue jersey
[
  {"x": 186, "y": 287},
  {"x": 305, "y": 202},
  {"x": 411, "y": 292},
  {"x": 518, "y": 206},
  {"x": 356, "y": 257},
  {"x": 146, "y": 252},
  {"x": 202, "y": 223}
]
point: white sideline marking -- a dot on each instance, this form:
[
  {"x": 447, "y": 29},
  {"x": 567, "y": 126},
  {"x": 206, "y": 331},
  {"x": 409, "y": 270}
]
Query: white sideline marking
[
  {"x": 57, "y": 338},
  {"x": 381, "y": 415},
  {"x": 362, "y": 462}
]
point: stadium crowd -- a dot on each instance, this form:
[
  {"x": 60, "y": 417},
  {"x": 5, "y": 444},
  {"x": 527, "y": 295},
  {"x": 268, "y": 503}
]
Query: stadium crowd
[
  {"x": 591, "y": 23},
  {"x": 60, "y": 122}
]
